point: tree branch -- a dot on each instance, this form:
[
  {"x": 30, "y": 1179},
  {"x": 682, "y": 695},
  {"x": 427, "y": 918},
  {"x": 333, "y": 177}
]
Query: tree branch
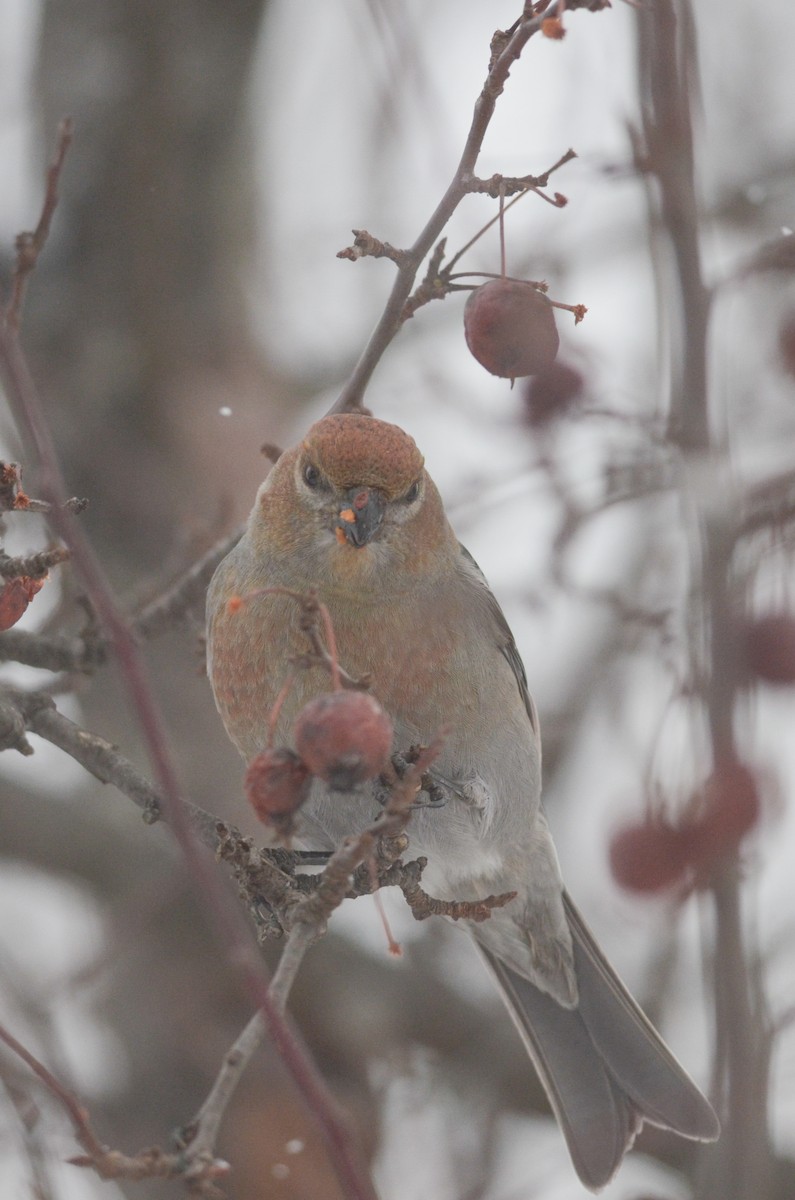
[{"x": 506, "y": 49}]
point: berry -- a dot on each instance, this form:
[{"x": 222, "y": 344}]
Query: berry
[
  {"x": 550, "y": 393},
  {"x": 769, "y": 647},
  {"x": 649, "y": 857},
  {"x": 344, "y": 738},
  {"x": 276, "y": 785},
  {"x": 15, "y": 596},
  {"x": 731, "y": 809},
  {"x": 510, "y": 328}
]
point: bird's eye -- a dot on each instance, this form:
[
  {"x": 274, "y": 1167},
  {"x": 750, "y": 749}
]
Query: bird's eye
[
  {"x": 311, "y": 475},
  {"x": 413, "y": 492}
]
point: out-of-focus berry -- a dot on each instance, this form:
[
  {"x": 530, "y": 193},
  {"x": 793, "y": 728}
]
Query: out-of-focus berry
[
  {"x": 551, "y": 392},
  {"x": 731, "y": 809},
  {"x": 769, "y": 647},
  {"x": 649, "y": 857}
]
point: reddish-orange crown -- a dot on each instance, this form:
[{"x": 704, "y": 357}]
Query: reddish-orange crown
[{"x": 352, "y": 449}]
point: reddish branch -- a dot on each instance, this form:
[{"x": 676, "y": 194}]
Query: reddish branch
[
  {"x": 152, "y": 1163},
  {"x": 233, "y": 932},
  {"x": 30, "y": 245}
]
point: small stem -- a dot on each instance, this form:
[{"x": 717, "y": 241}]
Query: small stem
[
  {"x": 300, "y": 938},
  {"x": 390, "y": 321},
  {"x": 278, "y": 704},
  {"x": 210, "y": 1115},
  {"x": 79, "y": 1117},
  {"x": 460, "y": 253},
  {"x": 331, "y": 642},
  {"x": 30, "y": 245}
]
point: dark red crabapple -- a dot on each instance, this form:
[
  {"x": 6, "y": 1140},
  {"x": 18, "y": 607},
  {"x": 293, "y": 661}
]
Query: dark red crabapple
[
  {"x": 276, "y": 784},
  {"x": 551, "y": 393},
  {"x": 649, "y": 857},
  {"x": 15, "y": 596},
  {"x": 769, "y": 647},
  {"x": 344, "y": 738},
  {"x": 510, "y": 328},
  {"x": 731, "y": 809}
]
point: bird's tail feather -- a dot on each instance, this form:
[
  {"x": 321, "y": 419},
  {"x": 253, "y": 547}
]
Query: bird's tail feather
[{"x": 603, "y": 1065}]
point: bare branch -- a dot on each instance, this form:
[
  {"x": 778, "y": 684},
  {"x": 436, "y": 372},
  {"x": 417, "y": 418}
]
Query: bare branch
[
  {"x": 14, "y": 499},
  {"x": 509, "y": 185},
  {"x": 30, "y": 245},
  {"x": 667, "y": 67},
  {"x": 367, "y": 246},
  {"x": 53, "y": 652},
  {"x": 185, "y": 593},
  {"x": 506, "y": 49},
  {"x": 35, "y": 566}
]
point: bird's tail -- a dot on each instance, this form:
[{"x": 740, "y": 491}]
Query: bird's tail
[{"x": 605, "y": 1068}]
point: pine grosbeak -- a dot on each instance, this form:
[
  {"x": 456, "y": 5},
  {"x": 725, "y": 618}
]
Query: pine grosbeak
[{"x": 352, "y": 513}]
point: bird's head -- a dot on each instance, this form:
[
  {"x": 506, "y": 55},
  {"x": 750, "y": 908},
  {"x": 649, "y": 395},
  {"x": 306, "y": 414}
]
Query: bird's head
[{"x": 351, "y": 503}]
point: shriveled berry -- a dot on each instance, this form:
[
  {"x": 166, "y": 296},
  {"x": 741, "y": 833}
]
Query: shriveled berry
[
  {"x": 510, "y": 328},
  {"x": 15, "y": 596},
  {"x": 344, "y": 738},
  {"x": 731, "y": 809},
  {"x": 769, "y": 647},
  {"x": 551, "y": 393},
  {"x": 276, "y": 784},
  {"x": 649, "y": 857}
]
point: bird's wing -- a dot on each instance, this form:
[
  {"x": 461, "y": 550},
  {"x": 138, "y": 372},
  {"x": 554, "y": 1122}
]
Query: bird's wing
[{"x": 505, "y": 640}]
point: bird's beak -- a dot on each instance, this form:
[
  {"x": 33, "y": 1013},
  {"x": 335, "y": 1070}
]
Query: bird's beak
[{"x": 360, "y": 519}]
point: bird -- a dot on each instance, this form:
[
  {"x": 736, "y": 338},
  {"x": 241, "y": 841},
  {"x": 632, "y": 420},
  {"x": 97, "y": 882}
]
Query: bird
[{"x": 352, "y": 513}]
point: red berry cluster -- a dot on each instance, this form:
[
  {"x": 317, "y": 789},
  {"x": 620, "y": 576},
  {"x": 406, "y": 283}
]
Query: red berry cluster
[
  {"x": 655, "y": 855},
  {"x": 342, "y": 737}
]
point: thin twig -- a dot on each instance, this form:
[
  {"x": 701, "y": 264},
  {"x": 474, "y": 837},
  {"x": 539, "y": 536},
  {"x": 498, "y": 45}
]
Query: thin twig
[
  {"x": 53, "y": 652},
  {"x": 30, "y": 245},
  {"x": 506, "y": 49},
  {"x": 34, "y": 566},
  {"x": 186, "y": 592},
  {"x": 203, "y": 1132},
  {"x": 113, "y": 1164},
  {"x": 67, "y": 1099},
  {"x": 13, "y": 497}
]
